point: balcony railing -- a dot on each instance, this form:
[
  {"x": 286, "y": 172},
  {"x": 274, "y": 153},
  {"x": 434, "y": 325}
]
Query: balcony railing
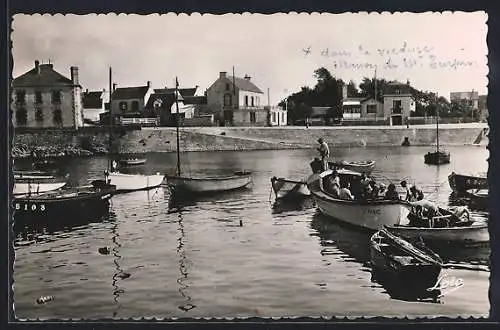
[{"x": 139, "y": 121}]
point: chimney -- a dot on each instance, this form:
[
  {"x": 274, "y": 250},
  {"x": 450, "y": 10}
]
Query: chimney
[
  {"x": 247, "y": 77},
  {"x": 344, "y": 91},
  {"x": 408, "y": 82},
  {"x": 149, "y": 84},
  {"x": 114, "y": 87},
  {"x": 223, "y": 75},
  {"x": 87, "y": 91},
  {"x": 37, "y": 66},
  {"x": 74, "y": 75}
]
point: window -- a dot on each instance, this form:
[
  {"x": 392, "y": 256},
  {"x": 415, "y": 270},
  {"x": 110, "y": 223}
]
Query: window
[
  {"x": 228, "y": 86},
  {"x": 246, "y": 100},
  {"x": 57, "y": 117},
  {"x": 228, "y": 100},
  {"x": 274, "y": 117},
  {"x": 56, "y": 97},
  {"x": 21, "y": 116},
  {"x": 371, "y": 108},
  {"x": 396, "y": 106},
  {"x": 21, "y": 97},
  {"x": 123, "y": 106},
  {"x": 38, "y": 97},
  {"x": 253, "y": 104},
  {"x": 252, "y": 117},
  {"x": 398, "y": 91},
  {"x": 39, "y": 115},
  {"x": 135, "y": 106}
]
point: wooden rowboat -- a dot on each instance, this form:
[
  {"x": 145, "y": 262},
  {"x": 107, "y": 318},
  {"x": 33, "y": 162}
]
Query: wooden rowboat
[
  {"x": 460, "y": 183},
  {"x": 134, "y": 182},
  {"x": 210, "y": 184},
  {"x": 34, "y": 182},
  {"x": 403, "y": 267},
  {"x": 285, "y": 189},
  {"x": 451, "y": 226},
  {"x": 369, "y": 214},
  {"x": 362, "y": 166},
  {"x": 132, "y": 161},
  {"x": 479, "y": 198}
]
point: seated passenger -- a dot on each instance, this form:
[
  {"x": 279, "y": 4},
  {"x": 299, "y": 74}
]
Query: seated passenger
[
  {"x": 381, "y": 190},
  {"x": 391, "y": 192},
  {"x": 415, "y": 194},
  {"x": 345, "y": 193},
  {"x": 332, "y": 185}
]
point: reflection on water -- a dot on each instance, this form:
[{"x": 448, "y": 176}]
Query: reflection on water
[
  {"x": 183, "y": 269},
  {"x": 119, "y": 273}
]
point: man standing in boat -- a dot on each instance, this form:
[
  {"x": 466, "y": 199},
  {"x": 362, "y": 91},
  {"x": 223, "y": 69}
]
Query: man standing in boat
[{"x": 324, "y": 151}]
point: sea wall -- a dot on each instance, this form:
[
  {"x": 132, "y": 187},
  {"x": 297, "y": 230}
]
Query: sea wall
[{"x": 239, "y": 138}]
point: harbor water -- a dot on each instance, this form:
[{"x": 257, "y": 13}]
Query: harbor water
[{"x": 231, "y": 255}]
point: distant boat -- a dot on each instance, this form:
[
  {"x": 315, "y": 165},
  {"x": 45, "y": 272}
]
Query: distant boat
[
  {"x": 132, "y": 160},
  {"x": 63, "y": 205},
  {"x": 362, "y": 166},
  {"x": 452, "y": 226},
  {"x": 438, "y": 157},
  {"x": 34, "y": 182},
  {"x": 369, "y": 214},
  {"x": 402, "y": 266},
  {"x": 460, "y": 183},
  {"x": 182, "y": 184}
]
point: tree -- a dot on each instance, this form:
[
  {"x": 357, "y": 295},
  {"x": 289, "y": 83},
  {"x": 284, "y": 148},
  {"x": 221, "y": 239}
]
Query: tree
[
  {"x": 352, "y": 89},
  {"x": 367, "y": 87}
]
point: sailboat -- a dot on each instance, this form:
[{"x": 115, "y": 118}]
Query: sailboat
[
  {"x": 191, "y": 185},
  {"x": 128, "y": 182},
  {"x": 437, "y": 157}
]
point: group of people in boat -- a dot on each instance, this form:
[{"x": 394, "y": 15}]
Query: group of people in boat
[{"x": 366, "y": 188}]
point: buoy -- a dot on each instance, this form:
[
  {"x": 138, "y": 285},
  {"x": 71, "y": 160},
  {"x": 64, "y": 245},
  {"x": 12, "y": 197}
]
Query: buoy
[
  {"x": 241, "y": 223},
  {"x": 104, "y": 250}
]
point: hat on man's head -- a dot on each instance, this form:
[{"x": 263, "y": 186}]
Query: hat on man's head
[{"x": 320, "y": 140}]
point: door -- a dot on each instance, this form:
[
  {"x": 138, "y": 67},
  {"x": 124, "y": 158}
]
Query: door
[{"x": 397, "y": 120}]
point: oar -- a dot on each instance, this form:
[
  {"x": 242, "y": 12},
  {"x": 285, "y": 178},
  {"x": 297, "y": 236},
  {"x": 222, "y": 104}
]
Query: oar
[{"x": 481, "y": 268}]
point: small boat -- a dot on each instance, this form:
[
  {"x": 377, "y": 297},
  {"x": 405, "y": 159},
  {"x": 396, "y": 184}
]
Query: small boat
[
  {"x": 362, "y": 166},
  {"x": 64, "y": 204},
  {"x": 186, "y": 186},
  {"x": 406, "y": 142},
  {"x": 292, "y": 190},
  {"x": 33, "y": 182},
  {"x": 132, "y": 160},
  {"x": 238, "y": 180},
  {"x": 460, "y": 183},
  {"x": 403, "y": 266},
  {"x": 134, "y": 182},
  {"x": 479, "y": 198},
  {"x": 437, "y": 158},
  {"x": 371, "y": 214},
  {"x": 453, "y": 225}
]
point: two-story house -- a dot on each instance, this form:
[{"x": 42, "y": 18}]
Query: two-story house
[
  {"x": 237, "y": 101},
  {"x": 129, "y": 102},
  {"x": 94, "y": 104},
  {"x": 44, "y": 98},
  {"x": 398, "y": 102}
]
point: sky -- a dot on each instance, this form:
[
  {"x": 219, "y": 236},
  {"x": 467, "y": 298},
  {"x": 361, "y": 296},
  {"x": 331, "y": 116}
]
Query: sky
[{"x": 439, "y": 52}]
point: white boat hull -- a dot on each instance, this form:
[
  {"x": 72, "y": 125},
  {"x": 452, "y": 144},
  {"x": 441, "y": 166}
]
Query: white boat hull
[
  {"x": 22, "y": 188},
  {"x": 133, "y": 182},
  {"x": 464, "y": 235},
  {"x": 204, "y": 185}
]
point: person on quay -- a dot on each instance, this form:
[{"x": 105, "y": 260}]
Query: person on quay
[
  {"x": 391, "y": 193},
  {"x": 345, "y": 193},
  {"x": 324, "y": 152}
]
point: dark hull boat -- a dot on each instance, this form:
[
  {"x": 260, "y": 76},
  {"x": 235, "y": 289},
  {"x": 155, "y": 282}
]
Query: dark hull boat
[
  {"x": 460, "y": 183},
  {"x": 63, "y": 205},
  {"x": 292, "y": 190},
  {"x": 403, "y": 268},
  {"x": 479, "y": 199},
  {"x": 437, "y": 158}
]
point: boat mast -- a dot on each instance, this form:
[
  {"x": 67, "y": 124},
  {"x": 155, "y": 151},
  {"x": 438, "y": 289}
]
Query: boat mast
[
  {"x": 437, "y": 123},
  {"x": 110, "y": 119},
  {"x": 177, "y": 127}
]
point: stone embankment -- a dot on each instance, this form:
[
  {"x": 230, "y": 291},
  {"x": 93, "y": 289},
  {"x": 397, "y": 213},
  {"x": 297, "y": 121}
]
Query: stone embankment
[{"x": 85, "y": 143}]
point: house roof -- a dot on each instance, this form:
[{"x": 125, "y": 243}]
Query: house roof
[
  {"x": 244, "y": 84},
  {"x": 47, "y": 77},
  {"x": 92, "y": 100},
  {"x": 162, "y": 100},
  {"x": 184, "y": 91},
  {"x": 195, "y": 99},
  {"x": 124, "y": 93},
  {"x": 393, "y": 86}
]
